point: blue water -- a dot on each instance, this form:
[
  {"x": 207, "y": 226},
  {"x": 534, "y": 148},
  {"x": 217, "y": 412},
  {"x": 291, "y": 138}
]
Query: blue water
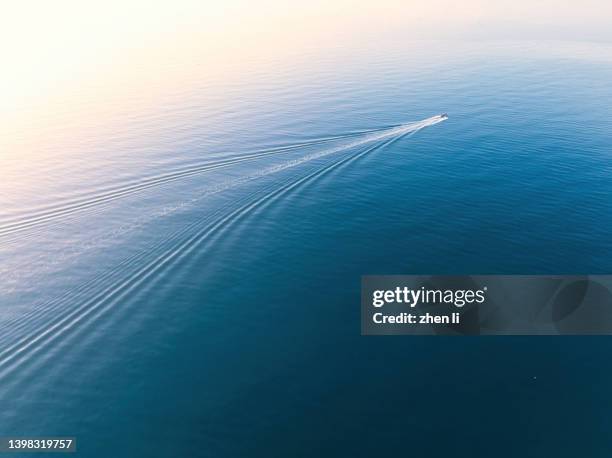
[{"x": 187, "y": 282}]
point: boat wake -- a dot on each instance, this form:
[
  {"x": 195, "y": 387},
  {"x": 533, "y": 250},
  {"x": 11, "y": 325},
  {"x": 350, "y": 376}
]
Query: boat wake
[
  {"x": 103, "y": 197},
  {"x": 70, "y": 317}
]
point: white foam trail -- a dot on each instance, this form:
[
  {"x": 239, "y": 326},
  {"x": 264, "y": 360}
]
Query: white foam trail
[
  {"x": 67, "y": 209},
  {"x": 368, "y": 138},
  {"x": 93, "y": 305},
  {"x": 374, "y": 137}
]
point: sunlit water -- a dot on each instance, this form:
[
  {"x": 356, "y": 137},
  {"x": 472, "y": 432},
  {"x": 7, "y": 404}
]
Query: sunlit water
[{"x": 185, "y": 280}]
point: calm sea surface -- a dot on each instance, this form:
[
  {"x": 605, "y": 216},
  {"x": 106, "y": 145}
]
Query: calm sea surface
[{"x": 184, "y": 279}]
